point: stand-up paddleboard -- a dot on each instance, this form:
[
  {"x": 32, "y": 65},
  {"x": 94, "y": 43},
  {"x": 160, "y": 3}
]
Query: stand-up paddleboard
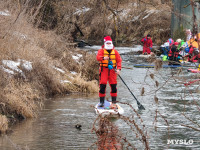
[
  {"x": 107, "y": 111},
  {"x": 163, "y": 66},
  {"x": 194, "y": 70}
]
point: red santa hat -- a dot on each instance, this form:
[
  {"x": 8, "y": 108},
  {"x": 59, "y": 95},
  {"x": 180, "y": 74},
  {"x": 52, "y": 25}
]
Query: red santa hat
[{"x": 108, "y": 43}]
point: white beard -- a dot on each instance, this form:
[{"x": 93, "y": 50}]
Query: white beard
[{"x": 108, "y": 47}]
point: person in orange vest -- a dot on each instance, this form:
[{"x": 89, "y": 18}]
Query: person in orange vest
[{"x": 110, "y": 66}]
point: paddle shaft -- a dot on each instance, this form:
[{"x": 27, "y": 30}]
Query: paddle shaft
[
  {"x": 127, "y": 68},
  {"x": 127, "y": 87},
  {"x": 139, "y": 105}
]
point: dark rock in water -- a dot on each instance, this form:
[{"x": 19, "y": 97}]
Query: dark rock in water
[
  {"x": 78, "y": 126},
  {"x": 21, "y": 117},
  {"x": 82, "y": 43}
]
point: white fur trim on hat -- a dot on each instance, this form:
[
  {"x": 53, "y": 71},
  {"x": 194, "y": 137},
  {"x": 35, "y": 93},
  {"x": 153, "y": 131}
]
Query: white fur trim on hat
[
  {"x": 178, "y": 40},
  {"x": 108, "y": 46}
]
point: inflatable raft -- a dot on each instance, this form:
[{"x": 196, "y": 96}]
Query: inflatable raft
[{"x": 194, "y": 70}]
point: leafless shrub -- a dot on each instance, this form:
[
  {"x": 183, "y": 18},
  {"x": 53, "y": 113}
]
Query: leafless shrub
[
  {"x": 158, "y": 64},
  {"x": 142, "y": 91},
  {"x": 109, "y": 136}
]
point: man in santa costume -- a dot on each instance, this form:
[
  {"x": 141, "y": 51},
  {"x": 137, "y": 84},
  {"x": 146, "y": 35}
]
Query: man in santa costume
[{"x": 110, "y": 66}]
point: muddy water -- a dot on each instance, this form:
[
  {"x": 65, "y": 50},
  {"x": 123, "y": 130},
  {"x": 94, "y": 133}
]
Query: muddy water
[{"x": 55, "y": 126}]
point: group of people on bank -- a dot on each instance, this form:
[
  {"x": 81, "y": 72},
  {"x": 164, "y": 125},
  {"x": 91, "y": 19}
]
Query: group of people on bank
[
  {"x": 187, "y": 50},
  {"x": 174, "y": 51}
]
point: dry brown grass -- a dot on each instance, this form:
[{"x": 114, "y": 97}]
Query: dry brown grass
[
  {"x": 90, "y": 68},
  {"x": 85, "y": 86},
  {"x": 115, "y": 18},
  {"x": 22, "y": 96},
  {"x": 3, "y": 124}
]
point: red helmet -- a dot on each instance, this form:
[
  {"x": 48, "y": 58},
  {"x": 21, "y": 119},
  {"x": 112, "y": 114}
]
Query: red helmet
[{"x": 176, "y": 43}]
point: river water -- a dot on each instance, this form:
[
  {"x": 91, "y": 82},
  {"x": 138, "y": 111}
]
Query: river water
[{"x": 54, "y": 129}]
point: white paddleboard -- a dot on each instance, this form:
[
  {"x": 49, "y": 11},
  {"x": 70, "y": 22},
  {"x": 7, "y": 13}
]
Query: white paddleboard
[{"x": 107, "y": 111}]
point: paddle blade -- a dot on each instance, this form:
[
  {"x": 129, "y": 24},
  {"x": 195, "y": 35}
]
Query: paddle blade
[{"x": 140, "y": 107}]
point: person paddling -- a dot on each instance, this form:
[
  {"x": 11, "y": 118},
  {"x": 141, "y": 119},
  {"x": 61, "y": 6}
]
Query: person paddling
[
  {"x": 110, "y": 65},
  {"x": 147, "y": 44},
  {"x": 193, "y": 55},
  {"x": 174, "y": 55}
]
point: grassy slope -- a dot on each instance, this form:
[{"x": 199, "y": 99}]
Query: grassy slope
[{"x": 22, "y": 96}]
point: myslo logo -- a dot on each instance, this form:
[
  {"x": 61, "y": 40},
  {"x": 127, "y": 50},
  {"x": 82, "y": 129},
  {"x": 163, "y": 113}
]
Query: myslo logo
[{"x": 180, "y": 142}]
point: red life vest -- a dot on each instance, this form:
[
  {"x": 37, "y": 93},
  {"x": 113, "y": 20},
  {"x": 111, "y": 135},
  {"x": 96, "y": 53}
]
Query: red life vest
[{"x": 170, "y": 53}]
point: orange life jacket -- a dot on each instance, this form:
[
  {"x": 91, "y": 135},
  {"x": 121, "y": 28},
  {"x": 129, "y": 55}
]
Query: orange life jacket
[{"x": 111, "y": 55}]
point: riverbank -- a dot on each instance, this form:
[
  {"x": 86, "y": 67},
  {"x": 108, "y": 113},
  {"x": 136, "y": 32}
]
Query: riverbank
[
  {"x": 35, "y": 65},
  {"x": 39, "y": 59}
]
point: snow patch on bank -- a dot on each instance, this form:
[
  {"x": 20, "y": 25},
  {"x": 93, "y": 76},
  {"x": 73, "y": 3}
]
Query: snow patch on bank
[
  {"x": 149, "y": 12},
  {"x": 27, "y": 65},
  {"x": 7, "y": 70},
  {"x": 73, "y": 72},
  {"x": 81, "y": 11},
  {"x": 77, "y": 57},
  {"x": 20, "y": 35},
  {"x": 65, "y": 81},
  {"x": 58, "y": 69},
  {"x": 10, "y": 66},
  {"x": 5, "y": 13}
]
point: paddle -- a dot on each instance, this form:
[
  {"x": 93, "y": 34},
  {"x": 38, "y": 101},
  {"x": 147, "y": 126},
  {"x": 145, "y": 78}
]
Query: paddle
[
  {"x": 127, "y": 68},
  {"x": 138, "y": 103}
]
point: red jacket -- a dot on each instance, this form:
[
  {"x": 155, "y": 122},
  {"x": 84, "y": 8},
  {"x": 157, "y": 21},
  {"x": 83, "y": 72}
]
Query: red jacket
[
  {"x": 189, "y": 55},
  {"x": 195, "y": 58},
  {"x": 191, "y": 50},
  {"x": 100, "y": 56},
  {"x": 147, "y": 43}
]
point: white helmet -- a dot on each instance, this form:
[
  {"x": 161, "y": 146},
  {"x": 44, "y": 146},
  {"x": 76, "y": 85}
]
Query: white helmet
[
  {"x": 178, "y": 40},
  {"x": 166, "y": 44}
]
